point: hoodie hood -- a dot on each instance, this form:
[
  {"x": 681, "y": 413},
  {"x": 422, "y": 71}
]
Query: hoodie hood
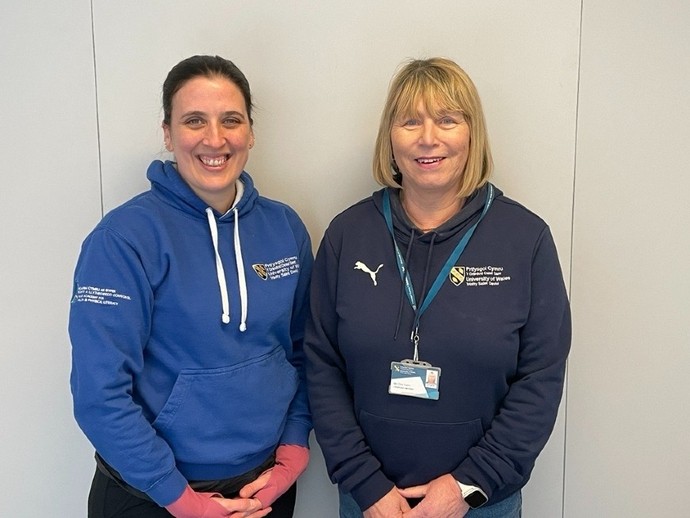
[
  {"x": 407, "y": 235},
  {"x": 405, "y": 230},
  {"x": 167, "y": 184}
]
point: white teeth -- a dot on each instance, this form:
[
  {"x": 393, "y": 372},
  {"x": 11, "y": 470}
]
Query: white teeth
[
  {"x": 428, "y": 160},
  {"x": 213, "y": 162}
]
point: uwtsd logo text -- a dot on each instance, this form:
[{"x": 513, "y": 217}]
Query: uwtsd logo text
[
  {"x": 478, "y": 275},
  {"x": 277, "y": 269}
]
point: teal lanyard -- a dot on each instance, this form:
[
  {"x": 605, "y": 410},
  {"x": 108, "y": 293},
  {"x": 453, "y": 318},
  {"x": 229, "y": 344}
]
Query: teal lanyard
[{"x": 440, "y": 278}]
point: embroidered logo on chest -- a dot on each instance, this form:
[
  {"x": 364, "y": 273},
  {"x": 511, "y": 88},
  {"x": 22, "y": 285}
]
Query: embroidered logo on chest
[
  {"x": 278, "y": 269},
  {"x": 475, "y": 276},
  {"x": 359, "y": 265}
]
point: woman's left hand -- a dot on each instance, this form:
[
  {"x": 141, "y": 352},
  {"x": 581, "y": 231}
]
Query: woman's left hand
[
  {"x": 291, "y": 461},
  {"x": 441, "y": 498}
]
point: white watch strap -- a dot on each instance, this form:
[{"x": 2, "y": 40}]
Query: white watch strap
[{"x": 466, "y": 489}]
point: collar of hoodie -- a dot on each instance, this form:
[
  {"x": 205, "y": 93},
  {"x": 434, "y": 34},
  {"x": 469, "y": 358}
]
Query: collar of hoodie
[
  {"x": 239, "y": 264},
  {"x": 405, "y": 230},
  {"x": 407, "y": 234}
]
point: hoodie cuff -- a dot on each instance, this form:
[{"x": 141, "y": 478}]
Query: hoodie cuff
[
  {"x": 295, "y": 433},
  {"x": 371, "y": 490},
  {"x": 169, "y": 489}
]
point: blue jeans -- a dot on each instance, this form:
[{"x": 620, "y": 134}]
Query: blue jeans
[{"x": 511, "y": 507}]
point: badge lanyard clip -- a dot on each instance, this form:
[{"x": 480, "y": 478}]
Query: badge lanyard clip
[{"x": 414, "y": 337}]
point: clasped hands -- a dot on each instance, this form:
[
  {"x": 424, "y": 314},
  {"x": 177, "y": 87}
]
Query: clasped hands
[
  {"x": 255, "y": 498},
  {"x": 441, "y": 498}
]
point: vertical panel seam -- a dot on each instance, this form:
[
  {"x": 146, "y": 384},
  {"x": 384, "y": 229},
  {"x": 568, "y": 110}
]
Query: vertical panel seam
[
  {"x": 572, "y": 244},
  {"x": 98, "y": 119}
]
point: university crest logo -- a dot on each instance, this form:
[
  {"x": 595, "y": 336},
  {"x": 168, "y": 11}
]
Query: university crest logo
[
  {"x": 457, "y": 275},
  {"x": 260, "y": 270}
]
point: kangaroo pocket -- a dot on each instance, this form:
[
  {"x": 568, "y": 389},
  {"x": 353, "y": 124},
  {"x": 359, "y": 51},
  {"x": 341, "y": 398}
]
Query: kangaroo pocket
[
  {"x": 226, "y": 415},
  {"x": 414, "y": 452}
]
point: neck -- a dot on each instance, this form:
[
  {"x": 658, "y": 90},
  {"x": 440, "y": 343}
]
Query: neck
[
  {"x": 220, "y": 204},
  {"x": 430, "y": 212},
  {"x": 220, "y": 201}
]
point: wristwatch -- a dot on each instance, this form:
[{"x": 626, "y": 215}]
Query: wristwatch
[{"x": 473, "y": 495}]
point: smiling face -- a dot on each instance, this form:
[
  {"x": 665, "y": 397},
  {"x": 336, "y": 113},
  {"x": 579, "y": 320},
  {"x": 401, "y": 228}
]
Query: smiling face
[
  {"x": 431, "y": 150},
  {"x": 210, "y": 134}
]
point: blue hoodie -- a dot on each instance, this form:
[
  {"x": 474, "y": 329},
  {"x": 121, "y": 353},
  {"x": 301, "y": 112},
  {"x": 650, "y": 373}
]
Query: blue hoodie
[
  {"x": 186, "y": 329},
  {"x": 498, "y": 328}
]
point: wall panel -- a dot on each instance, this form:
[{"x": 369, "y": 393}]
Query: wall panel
[
  {"x": 628, "y": 426},
  {"x": 49, "y": 200}
]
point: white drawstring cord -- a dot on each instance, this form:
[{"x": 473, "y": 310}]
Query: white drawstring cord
[
  {"x": 220, "y": 272},
  {"x": 240, "y": 272}
]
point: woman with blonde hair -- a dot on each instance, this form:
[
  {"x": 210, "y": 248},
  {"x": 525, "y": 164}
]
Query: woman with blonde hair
[{"x": 435, "y": 379}]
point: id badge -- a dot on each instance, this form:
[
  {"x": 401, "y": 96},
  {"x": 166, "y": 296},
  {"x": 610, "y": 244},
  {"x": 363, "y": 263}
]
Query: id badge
[{"x": 415, "y": 379}]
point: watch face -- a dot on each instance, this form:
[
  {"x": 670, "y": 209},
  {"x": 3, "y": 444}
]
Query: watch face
[{"x": 475, "y": 499}]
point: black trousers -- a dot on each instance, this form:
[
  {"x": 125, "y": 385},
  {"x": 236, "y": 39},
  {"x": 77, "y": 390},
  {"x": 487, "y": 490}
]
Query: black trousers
[{"x": 108, "y": 499}]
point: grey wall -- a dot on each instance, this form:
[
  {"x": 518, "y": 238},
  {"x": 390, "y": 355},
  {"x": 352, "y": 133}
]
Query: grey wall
[
  {"x": 49, "y": 198},
  {"x": 628, "y": 421},
  {"x": 587, "y": 110}
]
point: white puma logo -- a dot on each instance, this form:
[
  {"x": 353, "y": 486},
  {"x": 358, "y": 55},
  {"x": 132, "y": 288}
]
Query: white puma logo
[{"x": 359, "y": 265}]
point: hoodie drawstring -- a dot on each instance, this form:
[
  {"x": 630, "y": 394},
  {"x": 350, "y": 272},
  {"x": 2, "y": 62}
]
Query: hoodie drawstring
[
  {"x": 220, "y": 271},
  {"x": 241, "y": 279}
]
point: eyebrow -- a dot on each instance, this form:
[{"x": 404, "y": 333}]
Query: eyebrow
[{"x": 197, "y": 113}]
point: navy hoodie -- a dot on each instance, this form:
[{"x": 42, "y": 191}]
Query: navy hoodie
[
  {"x": 499, "y": 329},
  {"x": 187, "y": 355}
]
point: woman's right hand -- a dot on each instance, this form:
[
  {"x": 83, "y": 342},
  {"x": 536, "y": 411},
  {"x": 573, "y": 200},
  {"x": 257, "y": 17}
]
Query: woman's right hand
[{"x": 391, "y": 505}]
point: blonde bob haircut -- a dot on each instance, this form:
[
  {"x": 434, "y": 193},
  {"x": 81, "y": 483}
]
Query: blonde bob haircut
[{"x": 443, "y": 87}]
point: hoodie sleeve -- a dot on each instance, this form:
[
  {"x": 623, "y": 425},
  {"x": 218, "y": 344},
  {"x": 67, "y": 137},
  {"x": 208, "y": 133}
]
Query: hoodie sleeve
[
  {"x": 299, "y": 422},
  {"x": 109, "y": 324},
  {"x": 506, "y": 454},
  {"x": 349, "y": 460}
]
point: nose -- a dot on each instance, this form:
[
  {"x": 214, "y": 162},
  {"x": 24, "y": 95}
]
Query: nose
[
  {"x": 214, "y": 135},
  {"x": 427, "y": 136}
]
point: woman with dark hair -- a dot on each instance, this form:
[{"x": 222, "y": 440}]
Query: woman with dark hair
[
  {"x": 440, "y": 324},
  {"x": 187, "y": 324}
]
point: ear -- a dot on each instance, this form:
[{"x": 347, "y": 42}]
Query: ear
[
  {"x": 167, "y": 140},
  {"x": 251, "y": 140}
]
